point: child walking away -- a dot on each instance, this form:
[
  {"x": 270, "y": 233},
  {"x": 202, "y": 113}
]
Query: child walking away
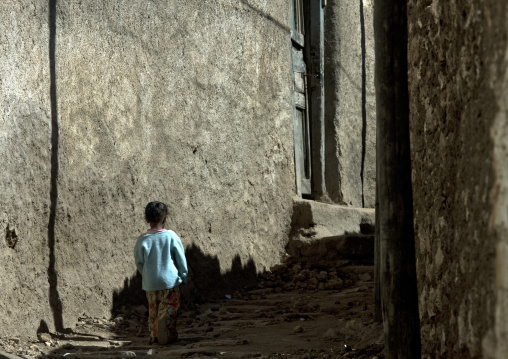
[{"x": 160, "y": 258}]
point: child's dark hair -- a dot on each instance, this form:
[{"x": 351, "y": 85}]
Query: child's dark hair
[{"x": 155, "y": 212}]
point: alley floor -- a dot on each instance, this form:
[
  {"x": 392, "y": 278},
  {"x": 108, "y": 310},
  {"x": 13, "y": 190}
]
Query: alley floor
[{"x": 290, "y": 313}]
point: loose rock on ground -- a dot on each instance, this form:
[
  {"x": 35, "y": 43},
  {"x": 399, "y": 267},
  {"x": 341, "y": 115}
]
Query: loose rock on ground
[{"x": 295, "y": 311}]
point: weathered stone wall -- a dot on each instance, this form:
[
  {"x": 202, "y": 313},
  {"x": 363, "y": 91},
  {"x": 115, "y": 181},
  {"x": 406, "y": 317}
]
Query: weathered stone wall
[
  {"x": 456, "y": 64},
  {"x": 186, "y": 102},
  {"x": 350, "y": 117},
  {"x": 495, "y": 344}
]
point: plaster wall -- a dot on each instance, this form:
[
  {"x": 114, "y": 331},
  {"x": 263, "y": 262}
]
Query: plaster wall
[
  {"x": 457, "y": 62},
  {"x": 25, "y": 150},
  {"x": 187, "y": 102},
  {"x": 350, "y": 114}
]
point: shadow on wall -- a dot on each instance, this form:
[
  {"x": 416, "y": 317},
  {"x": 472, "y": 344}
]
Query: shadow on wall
[
  {"x": 54, "y": 297},
  {"x": 206, "y": 281}
]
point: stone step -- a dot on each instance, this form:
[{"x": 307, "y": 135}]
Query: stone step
[
  {"x": 317, "y": 219},
  {"x": 327, "y": 235}
]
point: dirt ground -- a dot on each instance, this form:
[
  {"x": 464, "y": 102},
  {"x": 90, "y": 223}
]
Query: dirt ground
[{"x": 292, "y": 312}]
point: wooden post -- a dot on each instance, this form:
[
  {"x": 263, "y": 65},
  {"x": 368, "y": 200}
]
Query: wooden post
[{"x": 397, "y": 264}]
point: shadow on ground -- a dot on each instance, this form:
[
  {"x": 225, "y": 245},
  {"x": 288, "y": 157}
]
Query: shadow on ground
[
  {"x": 206, "y": 281},
  {"x": 302, "y": 308}
]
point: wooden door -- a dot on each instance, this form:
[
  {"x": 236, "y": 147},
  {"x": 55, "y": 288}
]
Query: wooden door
[{"x": 301, "y": 125}]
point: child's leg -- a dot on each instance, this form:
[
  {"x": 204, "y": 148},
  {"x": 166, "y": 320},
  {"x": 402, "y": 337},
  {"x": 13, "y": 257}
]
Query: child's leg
[
  {"x": 168, "y": 315},
  {"x": 153, "y": 309}
]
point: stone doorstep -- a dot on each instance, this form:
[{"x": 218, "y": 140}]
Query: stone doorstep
[
  {"x": 317, "y": 219},
  {"x": 324, "y": 232}
]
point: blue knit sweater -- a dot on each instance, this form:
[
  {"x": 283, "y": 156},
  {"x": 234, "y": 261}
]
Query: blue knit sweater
[{"x": 160, "y": 258}]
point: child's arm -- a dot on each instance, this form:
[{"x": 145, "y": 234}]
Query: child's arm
[
  {"x": 178, "y": 255},
  {"x": 139, "y": 256}
]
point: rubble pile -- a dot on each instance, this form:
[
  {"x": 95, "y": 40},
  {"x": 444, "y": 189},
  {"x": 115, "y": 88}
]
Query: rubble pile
[{"x": 294, "y": 274}]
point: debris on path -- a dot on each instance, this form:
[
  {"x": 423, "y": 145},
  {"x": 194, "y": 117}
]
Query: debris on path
[{"x": 294, "y": 311}]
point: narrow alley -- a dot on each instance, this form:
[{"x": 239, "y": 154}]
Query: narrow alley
[{"x": 292, "y": 312}]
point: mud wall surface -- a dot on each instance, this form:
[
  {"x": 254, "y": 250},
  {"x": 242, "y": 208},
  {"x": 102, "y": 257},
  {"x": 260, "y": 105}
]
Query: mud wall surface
[
  {"x": 456, "y": 66},
  {"x": 106, "y": 106},
  {"x": 350, "y": 109},
  {"x": 25, "y": 149}
]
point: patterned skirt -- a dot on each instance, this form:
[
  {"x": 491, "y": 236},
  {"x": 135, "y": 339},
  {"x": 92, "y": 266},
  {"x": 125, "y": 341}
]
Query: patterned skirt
[{"x": 163, "y": 308}]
